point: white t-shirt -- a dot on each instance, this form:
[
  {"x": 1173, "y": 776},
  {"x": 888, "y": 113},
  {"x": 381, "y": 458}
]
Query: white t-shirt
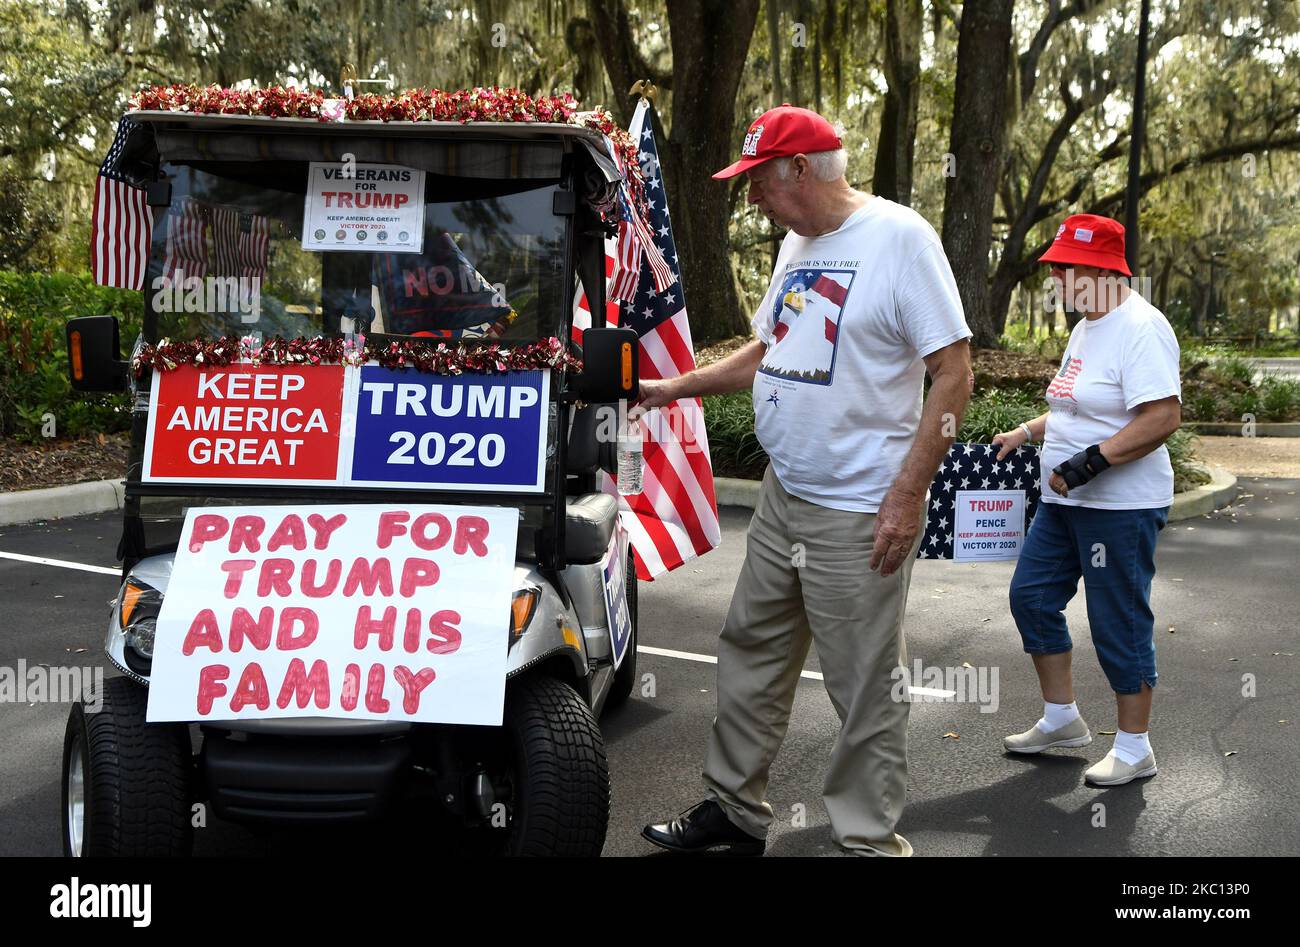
[
  {"x": 1111, "y": 365},
  {"x": 847, "y": 318}
]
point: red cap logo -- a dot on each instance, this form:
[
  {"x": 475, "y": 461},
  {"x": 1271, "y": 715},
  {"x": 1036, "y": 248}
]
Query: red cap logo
[
  {"x": 1089, "y": 240},
  {"x": 780, "y": 133}
]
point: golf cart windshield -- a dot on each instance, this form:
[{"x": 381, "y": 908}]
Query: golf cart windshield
[{"x": 228, "y": 254}]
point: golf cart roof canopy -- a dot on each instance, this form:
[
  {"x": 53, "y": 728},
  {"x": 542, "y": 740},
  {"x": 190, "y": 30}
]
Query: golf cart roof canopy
[{"x": 289, "y": 125}]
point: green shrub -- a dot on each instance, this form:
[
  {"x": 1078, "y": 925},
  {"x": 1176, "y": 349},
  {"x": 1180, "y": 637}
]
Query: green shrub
[
  {"x": 1279, "y": 398},
  {"x": 34, "y": 383},
  {"x": 736, "y": 452},
  {"x": 733, "y": 445},
  {"x": 996, "y": 410},
  {"x": 1188, "y": 472}
]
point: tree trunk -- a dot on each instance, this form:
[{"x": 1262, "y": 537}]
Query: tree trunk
[
  {"x": 897, "y": 143},
  {"x": 978, "y": 123},
  {"x": 709, "y": 41}
]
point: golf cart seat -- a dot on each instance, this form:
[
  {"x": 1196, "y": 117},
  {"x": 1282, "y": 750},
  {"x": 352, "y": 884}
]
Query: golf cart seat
[{"x": 588, "y": 526}]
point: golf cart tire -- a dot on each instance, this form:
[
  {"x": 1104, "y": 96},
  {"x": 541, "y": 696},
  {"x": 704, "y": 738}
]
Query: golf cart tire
[
  {"x": 564, "y": 800},
  {"x": 625, "y": 677},
  {"x": 137, "y": 777}
]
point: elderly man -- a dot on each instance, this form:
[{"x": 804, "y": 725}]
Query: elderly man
[{"x": 861, "y": 304}]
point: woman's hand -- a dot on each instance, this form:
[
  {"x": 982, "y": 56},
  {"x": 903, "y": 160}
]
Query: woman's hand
[{"x": 1009, "y": 441}]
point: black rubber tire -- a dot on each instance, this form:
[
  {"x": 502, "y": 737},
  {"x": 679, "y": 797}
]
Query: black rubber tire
[
  {"x": 138, "y": 777},
  {"x": 561, "y": 805},
  {"x": 625, "y": 676}
]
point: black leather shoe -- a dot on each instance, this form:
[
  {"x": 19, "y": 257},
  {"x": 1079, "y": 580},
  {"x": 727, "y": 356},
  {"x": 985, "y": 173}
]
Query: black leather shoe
[{"x": 703, "y": 828}]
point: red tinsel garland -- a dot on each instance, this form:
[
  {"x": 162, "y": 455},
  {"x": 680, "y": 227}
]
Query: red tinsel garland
[
  {"x": 437, "y": 359},
  {"x": 414, "y": 105}
]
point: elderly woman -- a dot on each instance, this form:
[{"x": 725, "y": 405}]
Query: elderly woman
[{"x": 1109, "y": 485}]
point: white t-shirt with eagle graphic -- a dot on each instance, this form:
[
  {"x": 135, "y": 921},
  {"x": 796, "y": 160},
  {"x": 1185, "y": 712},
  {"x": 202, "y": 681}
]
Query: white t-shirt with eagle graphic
[
  {"x": 847, "y": 318},
  {"x": 1111, "y": 365}
]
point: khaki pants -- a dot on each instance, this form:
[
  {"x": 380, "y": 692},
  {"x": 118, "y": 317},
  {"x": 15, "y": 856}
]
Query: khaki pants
[{"x": 806, "y": 577}]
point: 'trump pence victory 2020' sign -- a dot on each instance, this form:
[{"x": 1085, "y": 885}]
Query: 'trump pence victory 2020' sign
[
  {"x": 356, "y": 611},
  {"x": 980, "y": 507}
]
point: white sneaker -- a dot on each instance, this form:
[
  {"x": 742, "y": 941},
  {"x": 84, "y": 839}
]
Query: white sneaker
[
  {"x": 1113, "y": 771},
  {"x": 1035, "y": 740}
]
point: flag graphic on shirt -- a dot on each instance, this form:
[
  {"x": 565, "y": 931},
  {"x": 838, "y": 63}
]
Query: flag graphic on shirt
[
  {"x": 121, "y": 224},
  {"x": 806, "y": 322},
  {"x": 975, "y": 467},
  {"x": 1062, "y": 385},
  {"x": 675, "y": 517}
]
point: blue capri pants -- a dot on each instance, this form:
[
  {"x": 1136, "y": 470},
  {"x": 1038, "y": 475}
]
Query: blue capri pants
[{"x": 1113, "y": 551}]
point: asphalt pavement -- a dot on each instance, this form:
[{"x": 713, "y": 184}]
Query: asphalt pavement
[{"x": 1226, "y": 728}]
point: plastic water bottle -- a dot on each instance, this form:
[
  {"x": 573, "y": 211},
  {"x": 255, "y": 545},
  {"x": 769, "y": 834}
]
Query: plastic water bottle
[{"x": 629, "y": 461}]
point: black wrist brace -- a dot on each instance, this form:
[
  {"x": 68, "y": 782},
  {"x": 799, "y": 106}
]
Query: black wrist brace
[{"x": 1082, "y": 467}]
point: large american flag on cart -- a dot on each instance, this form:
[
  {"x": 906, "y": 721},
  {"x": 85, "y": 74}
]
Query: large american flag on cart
[
  {"x": 675, "y": 517},
  {"x": 121, "y": 224}
]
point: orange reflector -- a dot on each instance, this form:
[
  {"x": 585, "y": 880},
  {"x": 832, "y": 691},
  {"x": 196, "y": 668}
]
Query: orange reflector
[
  {"x": 521, "y": 610},
  {"x": 74, "y": 346},
  {"x": 130, "y": 598},
  {"x": 627, "y": 366}
]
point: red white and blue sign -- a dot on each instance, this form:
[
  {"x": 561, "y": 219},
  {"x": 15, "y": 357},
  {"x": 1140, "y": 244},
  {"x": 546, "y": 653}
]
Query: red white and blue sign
[
  {"x": 617, "y": 613},
  {"x": 480, "y": 432},
  {"x": 348, "y": 426}
]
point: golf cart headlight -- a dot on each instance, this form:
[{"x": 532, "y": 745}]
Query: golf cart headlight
[
  {"x": 137, "y": 614},
  {"x": 522, "y": 607}
]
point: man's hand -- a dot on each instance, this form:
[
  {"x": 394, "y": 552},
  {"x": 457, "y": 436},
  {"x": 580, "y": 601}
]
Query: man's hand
[
  {"x": 657, "y": 392},
  {"x": 897, "y": 523}
]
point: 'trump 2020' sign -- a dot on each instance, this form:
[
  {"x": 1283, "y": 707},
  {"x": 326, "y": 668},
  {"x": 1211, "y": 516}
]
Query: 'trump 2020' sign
[
  {"x": 368, "y": 611},
  {"x": 334, "y": 425}
]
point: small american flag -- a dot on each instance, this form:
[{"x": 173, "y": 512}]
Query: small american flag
[
  {"x": 975, "y": 467},
  {"x": 187, "y": 239},
  {"x": 122, "y": 222},
  {"x": 675, "y": 517}
]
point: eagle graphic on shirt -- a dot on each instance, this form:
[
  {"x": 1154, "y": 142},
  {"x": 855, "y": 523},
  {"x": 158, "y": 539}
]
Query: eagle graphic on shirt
[{"x": 806, "y": 324}]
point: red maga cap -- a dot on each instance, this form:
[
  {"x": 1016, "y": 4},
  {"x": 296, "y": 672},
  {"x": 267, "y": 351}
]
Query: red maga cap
[
  {"x": 780, "y": 133},
  {"x": 1089, "y": 240}
]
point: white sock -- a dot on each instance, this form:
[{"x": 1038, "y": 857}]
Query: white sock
[
  {"x": 1056, "y": 716},
  {"x": 1132, "y": 748}
]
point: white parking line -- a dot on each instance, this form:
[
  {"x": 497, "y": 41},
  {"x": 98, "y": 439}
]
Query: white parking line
[
  {"x": 706, "y": 659},
  {"x": 61, "y": 563},
  {"x": 643, "y": 649}
]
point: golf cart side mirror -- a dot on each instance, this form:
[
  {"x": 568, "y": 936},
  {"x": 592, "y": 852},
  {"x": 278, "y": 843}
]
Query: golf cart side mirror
[
  {"x": 609, "y": 370},
  {"x": 94, "y": 355}
]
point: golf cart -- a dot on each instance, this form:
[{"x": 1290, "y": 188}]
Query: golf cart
[{"x": 263, "y": 283}]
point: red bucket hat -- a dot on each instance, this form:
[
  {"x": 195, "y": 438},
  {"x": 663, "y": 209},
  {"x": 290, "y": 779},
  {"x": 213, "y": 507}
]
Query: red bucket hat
[
  {"x": 1089, "y": 240},
  {"x": 781, "y": 132}
]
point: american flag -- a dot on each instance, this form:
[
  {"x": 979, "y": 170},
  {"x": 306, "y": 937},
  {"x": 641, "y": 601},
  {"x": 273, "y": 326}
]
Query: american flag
[
  {"x": 187, "y": 239},
  {"x": 675, "y": 517},
  {"x": 122, "y": 222},
  {"x": 975, "y": 467}
]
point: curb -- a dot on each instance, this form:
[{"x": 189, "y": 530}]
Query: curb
[
  {"x": 1230, "y": 429},
  {"x": 1220, "y": 491},
  {"x": 52, "y": 503}
]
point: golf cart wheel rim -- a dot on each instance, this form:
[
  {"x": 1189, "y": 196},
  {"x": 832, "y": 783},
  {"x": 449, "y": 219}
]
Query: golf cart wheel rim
[{"x": 76, "y": 814}]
